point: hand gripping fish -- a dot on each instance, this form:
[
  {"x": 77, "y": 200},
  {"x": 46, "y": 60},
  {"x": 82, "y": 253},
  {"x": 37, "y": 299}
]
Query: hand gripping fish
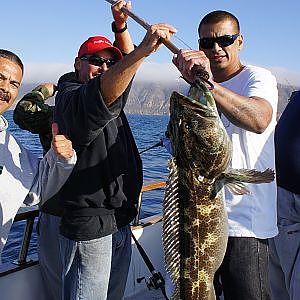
[{"x": 195, "y": 229}]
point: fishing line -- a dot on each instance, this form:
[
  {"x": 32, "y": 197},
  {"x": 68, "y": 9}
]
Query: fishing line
[{"x": 182, "y": 41}]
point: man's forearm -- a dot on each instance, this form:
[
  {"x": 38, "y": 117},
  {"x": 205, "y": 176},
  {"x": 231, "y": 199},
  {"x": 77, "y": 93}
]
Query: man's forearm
[
  {"x": 250, "y": 113},
  {"x": 123, "y": 39},
  {"x": 115, "y": 80}
]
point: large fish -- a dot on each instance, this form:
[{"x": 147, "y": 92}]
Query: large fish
[{"x": 195, "y": 229}]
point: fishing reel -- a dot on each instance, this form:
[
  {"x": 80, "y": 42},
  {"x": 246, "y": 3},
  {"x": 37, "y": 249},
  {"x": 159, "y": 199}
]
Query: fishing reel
[{"x": 156, "y": 281}]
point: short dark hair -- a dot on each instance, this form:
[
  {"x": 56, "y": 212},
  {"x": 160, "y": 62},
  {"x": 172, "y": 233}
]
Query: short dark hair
[
  {"x": 218, "y": 16},
  {"x": 12, "y": 57}
]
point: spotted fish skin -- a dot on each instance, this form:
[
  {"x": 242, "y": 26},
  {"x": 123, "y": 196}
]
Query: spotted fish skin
[{"x": 195, "y": 222}]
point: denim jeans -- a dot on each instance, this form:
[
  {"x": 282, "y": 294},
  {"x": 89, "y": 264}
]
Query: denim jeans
[
  {"x": 285, "y": 248},
  {"x": 86, "y": 268},
  {"x": 121, "y": 257},
  {"x": 49, "y": 255},
  {"x": 244, "y": 271},
  {"x": 50, "y": 258}
]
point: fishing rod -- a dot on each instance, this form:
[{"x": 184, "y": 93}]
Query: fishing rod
[
  {"x": 144, "y": 24},
  {"x": 157, "y": 281},
  {"x": 196, "y": 69},
  {"x": 160, "y": 143}
]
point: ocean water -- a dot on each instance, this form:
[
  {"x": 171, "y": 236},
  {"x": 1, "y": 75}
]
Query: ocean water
[{"x": 147, "y": 131}]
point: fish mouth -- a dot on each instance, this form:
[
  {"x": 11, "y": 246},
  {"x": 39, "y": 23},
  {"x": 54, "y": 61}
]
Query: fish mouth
[{"x": 204, "y": 107}]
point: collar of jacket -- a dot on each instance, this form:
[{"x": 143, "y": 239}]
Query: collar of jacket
[{"x": 3, "y": 123}]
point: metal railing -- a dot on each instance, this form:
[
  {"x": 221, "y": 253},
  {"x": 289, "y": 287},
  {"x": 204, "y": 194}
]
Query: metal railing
[{"x": 22, "y": 262}]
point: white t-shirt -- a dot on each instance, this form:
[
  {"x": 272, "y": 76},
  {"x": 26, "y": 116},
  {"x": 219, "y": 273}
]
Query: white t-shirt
[{"x": 253, "y": 215}]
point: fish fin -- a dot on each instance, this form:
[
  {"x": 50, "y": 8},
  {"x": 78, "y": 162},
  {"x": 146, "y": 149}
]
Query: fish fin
[
  {"x": 237, "y": 188},
  {"x": 234, "y": 186},
  {"x": 234, "y": 179},
  {"x": 248, "y": 176},
  {"x": 171, "y": 224}
]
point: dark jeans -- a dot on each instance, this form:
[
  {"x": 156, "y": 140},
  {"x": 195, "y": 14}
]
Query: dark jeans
[{"x": 243, "y": 274}]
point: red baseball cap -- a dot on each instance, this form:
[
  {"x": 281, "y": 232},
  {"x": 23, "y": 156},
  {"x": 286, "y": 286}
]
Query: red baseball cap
[{"x": 97, "y": 43}]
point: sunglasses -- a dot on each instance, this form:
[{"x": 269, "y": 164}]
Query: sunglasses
[
  {"x": 98, "y": 60},
  {"x": 223, "y": 41}
]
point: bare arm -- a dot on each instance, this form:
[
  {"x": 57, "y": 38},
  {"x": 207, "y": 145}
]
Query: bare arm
[
  {"x": 250, "y": 113},
  {"x": 115, "y": 80},
  {"x": 122, "y": 39}
]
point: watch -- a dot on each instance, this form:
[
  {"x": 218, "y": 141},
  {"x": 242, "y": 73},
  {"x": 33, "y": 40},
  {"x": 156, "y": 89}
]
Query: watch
[{"x": 115, "y": 29}]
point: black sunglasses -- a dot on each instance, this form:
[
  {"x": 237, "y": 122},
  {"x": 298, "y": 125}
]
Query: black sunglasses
[
  {"x": 98, "y": 60},
  {"x": 223, "y": 41}
]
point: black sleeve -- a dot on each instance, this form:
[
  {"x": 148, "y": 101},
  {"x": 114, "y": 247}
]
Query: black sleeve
[{"x": 81, "y": 111}]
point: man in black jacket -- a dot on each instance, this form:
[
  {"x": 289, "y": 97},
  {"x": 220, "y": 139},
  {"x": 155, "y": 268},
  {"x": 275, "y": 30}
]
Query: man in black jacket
[
  {"x": 107, "y": 182},
  {"x": 100, "y": 194}
]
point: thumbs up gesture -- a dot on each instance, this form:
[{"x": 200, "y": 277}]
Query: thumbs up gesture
[{"x": 61, "y": 144}]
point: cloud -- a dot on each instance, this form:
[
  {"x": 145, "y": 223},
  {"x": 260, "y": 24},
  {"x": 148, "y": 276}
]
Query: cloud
[
  {"x": 157, "y": 71},
  {"x": 285, "y": 76},
  {"x": 38, "y": 73}
]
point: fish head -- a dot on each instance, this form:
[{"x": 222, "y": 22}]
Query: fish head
[{"x": 199, "y": 139}]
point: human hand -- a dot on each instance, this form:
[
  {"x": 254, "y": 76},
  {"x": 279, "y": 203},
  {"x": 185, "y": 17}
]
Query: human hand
[
  {"x": 154, "y": 36},
  {"x": 50, "y": 87},
  {"x": 61, "y": 145},
  {"x": 120, "y": 18},
  {"x": 187, "y": 61}
]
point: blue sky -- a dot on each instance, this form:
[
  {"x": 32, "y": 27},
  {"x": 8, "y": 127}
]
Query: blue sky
[{"x": 48, "y": 33}]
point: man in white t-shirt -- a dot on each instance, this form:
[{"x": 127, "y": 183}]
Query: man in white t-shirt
[{"x": 246, "y": 97}]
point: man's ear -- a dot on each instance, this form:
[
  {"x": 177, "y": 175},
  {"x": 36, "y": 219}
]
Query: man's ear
[
  {"x": 77, "y": 64},
  {"x": 240, "y": 41}
]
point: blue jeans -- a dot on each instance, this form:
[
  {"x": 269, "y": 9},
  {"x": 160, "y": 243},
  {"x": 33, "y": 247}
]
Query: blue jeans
[
  {"x": 121, "y": 257},
  {"x": 86, "y": 268},
  {"x": 49, "y": 255},
  {"x": 244, "y": 271},
  {"x": 285, "y": 248}
]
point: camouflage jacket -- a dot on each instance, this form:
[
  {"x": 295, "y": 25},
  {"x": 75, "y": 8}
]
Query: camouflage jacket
[{"x": 32, "y": 114}]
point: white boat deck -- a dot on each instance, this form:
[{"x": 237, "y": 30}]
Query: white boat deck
[{"x": 26, "y": 284}]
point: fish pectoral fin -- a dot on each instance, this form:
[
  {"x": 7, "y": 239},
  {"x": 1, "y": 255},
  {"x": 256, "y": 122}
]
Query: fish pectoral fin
[
  {"x": 237, "y": 188},
  {"x": 234, "y": 179},
  {"x": 249, "y": 176}
]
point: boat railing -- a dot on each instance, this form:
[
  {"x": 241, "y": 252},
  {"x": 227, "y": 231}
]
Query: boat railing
[
  {"x": 146, "y": 187},
  {"x": 22, "y": 262},
  {"x": 29, "y": 216}
]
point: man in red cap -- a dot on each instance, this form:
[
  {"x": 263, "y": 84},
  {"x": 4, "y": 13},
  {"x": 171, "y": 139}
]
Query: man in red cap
[{"x": 100, "y": 196}]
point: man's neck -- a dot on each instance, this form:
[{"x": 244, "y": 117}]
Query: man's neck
[{"x": 224, "y": 75}]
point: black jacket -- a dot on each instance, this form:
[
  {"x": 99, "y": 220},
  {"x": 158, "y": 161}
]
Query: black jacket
[
  {"x": 107, "y": 177},
  {"x": 287, "y": 146}
]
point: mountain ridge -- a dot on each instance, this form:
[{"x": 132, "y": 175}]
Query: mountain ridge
[{"x": 152, "y": 98}]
